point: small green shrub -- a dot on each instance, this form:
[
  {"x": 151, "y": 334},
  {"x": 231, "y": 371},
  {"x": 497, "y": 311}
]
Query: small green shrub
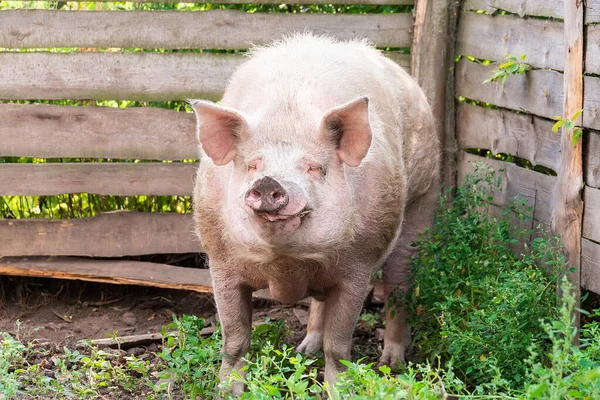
[{"x": 476, "y": 301}]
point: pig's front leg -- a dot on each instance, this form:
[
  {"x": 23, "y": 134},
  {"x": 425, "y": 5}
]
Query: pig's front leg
[
  {"x": 234, "y": 305},
  {"x": 342, "y": 309}
]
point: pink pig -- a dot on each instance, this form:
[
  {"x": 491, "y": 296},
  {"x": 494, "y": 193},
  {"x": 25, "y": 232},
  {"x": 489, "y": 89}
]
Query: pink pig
[{"x": 319, "y": 166}]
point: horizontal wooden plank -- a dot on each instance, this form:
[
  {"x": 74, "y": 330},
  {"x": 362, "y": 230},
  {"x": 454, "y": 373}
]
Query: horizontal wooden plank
[
  {"x": 113, "y": 234},
  {"x": 533, "y": 187},
  {"x": 536, "y": 8},
  {"x": 591, "y": 159},
  {"x": 357, "y": 2},
  {"x": 591, "y": 102},
  {"x": 217, "y": 29},
  {"x": 502, "y": 131},
  {"x": 120, "y": 76},
  {"x": 592, "y": 49},
  {"x": 114, "y": 76},
  {"x": 109, "y": 271},
  {"x": 538, "y": 92},
  {"x": 47, "y": 131},
  {"x": 492, "y": 37},
  {"x": 591, "y": 214},
  {"x": 590, "y": 265},
  {"x": 119, "y": 179}
]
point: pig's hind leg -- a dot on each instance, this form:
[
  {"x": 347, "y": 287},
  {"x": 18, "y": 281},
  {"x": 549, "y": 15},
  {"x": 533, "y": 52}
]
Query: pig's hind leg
[
  {"x": 313, "y": 341},
  {"x": 396, "y": 278}
]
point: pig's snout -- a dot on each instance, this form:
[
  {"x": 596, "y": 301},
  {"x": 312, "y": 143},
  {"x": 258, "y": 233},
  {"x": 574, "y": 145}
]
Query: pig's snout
[{"x": 266, "y": 195}]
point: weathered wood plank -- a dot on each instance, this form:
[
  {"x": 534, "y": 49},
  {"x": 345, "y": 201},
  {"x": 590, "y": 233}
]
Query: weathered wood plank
[
  {"x": 114, "y": 234},
  {"x": 449, "y": 167},
  {"x": 592, "y": 50},
  {"x": 591, "y": 214},
  {"x": 567, "y": 205},
  {"x": 538, "y": 92},
  {"x": 591, "y": 102},
  {"x": 109, "y": 271},
  {"x": 590, "y": 265},
  {"x": 591, "y": 159},
  {"x": 492, "y": 37},
  {"x": 536, "y": 8},
  {"x": 119, "y": 76},
  {"x": 46, "y": 131},
  {"x": 533, "y": 187},
  {"x": 217, "y": 29},
  {"x": 365, "y": 2},
  {"x": 429, "y": 61},
  {"x": 502, "y": 131},
  {"x": 119, "y": 179},
  {"x": 127, "y": 342},
  {"x": 114, "y": 76}
]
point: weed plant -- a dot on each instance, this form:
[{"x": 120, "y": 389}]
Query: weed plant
[{"x": 476, "y": 300}]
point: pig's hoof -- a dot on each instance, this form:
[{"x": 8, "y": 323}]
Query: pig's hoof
[
  {"x": 235, "y": 389},
  {"x": 313, "y": 341},
  {"x": 393, "y": 354}
]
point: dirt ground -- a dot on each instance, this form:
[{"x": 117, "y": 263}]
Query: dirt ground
[{"x": 65, "y": 312}]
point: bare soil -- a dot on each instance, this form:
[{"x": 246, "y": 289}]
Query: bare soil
[{"x": 66, "y": 312}]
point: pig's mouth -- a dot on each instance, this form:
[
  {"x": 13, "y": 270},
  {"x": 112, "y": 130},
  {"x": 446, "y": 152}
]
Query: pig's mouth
[{"x": 276, "y": 217}]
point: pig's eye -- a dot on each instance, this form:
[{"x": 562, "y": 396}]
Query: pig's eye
[
  {"x": 253, "y": 166},
  {"x": 316, "y": 171}
]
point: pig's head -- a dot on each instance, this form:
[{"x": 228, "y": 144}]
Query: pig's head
[{"x": 286, "y": 184}]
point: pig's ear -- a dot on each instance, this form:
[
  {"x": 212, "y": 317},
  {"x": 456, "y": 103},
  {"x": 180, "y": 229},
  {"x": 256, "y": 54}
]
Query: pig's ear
[
  {"x": 349, "y": 127},
  {"x": 219, "y": 129}
]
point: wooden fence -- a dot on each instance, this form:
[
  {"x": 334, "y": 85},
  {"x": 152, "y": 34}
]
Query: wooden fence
[
  {"x": 519, "y": 124},
  {"x": 97, "y": 68}
]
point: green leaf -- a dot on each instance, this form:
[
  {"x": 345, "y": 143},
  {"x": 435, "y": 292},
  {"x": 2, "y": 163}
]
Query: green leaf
[
  {"x": 558, "y": 124},
  {"x": 539, "y": 390},
  {"x": 523, "y": 57},
  {"x": 513, "y": 68},
  {"x": 576, "y": 115},
  {"x": 569, "y": 125},
  {"x": 577, "y": 134},
  {"x": 506, "y": 65}
]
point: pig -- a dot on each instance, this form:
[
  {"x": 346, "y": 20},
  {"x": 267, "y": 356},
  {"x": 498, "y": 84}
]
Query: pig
[{"x": 319, "y": 165}]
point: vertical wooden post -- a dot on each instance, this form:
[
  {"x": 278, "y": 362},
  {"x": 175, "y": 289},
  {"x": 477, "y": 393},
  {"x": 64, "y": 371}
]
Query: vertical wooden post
[
  {"x": 430, "y": 63},
  {"x": 567, "y": 209}
]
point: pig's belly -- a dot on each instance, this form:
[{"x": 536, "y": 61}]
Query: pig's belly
[
  {"x": 293, "y": 290},
  {"x": 288, "y": 291}
]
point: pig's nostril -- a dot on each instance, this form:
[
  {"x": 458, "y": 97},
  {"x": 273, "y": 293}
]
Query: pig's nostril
[
  {"x": 254, "y": 195},
  {"x": 278, "y": 196}
]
